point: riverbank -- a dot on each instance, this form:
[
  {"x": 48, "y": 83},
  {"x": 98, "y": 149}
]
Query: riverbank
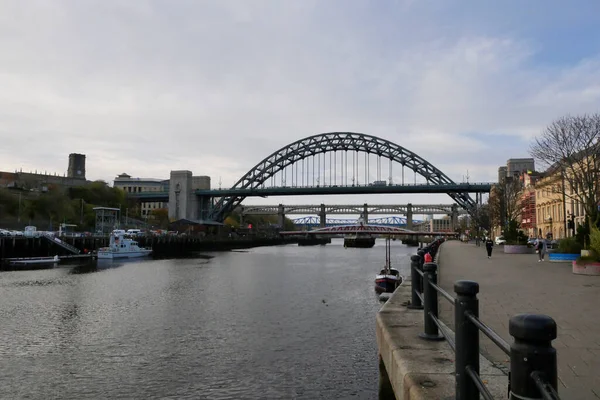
[{"x": 168, "y": 246}]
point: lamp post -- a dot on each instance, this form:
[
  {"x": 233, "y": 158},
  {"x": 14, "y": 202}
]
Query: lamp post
[
  {"x": 81, "y": 213},
  {"x": 19, "y": 214}
]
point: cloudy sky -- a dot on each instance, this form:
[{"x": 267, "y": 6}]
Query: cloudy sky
[{"x": 146, "y": 87}]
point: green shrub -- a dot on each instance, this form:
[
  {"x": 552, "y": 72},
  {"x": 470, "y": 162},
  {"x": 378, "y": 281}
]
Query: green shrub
[
  {"x": 595, "y": 241},
  {"x": 514, "y": 235},
  {"x": 569, "y": 245}
]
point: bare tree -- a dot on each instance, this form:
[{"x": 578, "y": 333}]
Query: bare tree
[
  {"x": 569, "y": 149},
  {"x": 506, "y": 202}
]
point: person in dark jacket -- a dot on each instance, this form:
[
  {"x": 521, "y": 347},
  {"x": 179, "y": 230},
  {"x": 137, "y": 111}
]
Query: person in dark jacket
[{"x": 488, "y": 246}]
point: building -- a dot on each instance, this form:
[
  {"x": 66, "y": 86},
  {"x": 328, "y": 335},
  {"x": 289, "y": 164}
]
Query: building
[
  {"x": 515, "y": 167},
  {"x": 550, "y": 208},
  {"x": 519, "y": 166},
  {"x": 555, "y": 209},
  {"x": 139, "y": 185},
  {"x": 528, "y": 203},
  {"x": 42, "y": 181},
  {"x": 501, "y": 174},
  {"x": 76, "y": 166}
]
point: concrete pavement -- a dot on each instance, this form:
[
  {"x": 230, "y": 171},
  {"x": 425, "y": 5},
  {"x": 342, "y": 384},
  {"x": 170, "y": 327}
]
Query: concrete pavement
[{"x": 513, "y": 283}]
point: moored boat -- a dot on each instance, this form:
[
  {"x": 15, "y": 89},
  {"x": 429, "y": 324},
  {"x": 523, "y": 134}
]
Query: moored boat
[
  {"x": 388, "y": 278},
  {"x": 122, "y": 247},
  {"x": 35, "y": 260}
]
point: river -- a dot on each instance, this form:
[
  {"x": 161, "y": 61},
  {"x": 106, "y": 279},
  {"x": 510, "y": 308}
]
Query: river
[{"x": 282, "y": 322}]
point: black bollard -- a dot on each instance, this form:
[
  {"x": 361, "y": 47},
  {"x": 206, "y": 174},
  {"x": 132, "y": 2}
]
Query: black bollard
[
  {"x": 530, "y": 352},
  {"x": 430, "y": 306},
  {"x": 466, "y": 338},
  {"x": 416, "y": 284}
]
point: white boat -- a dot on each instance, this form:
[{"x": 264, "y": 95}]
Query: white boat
[
  {"x": 36, "y": 260},
  {"x": 122, "y": 247}
]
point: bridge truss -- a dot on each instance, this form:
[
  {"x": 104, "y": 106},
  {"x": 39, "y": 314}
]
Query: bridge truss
[
  {"x": 315, "y": 222},
  {"x": 305, "y": 163},
  {"x": 349, "y": 209}
]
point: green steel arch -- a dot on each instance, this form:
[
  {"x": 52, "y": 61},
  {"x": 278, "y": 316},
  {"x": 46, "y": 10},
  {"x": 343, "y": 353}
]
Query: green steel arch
[{"x": 335, "y": 141}]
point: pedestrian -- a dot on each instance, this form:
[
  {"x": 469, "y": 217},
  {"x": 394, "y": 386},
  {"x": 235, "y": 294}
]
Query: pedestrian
[
  {"x": 541, "y": 249},
  {"x": 488, "y": 246}
]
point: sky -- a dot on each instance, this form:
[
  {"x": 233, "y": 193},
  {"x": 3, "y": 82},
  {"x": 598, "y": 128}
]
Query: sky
[{"x": 146, "y": 87}]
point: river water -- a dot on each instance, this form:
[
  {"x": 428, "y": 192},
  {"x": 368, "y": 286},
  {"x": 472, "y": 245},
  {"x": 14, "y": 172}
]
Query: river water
[{"x": 283, "y": 322}]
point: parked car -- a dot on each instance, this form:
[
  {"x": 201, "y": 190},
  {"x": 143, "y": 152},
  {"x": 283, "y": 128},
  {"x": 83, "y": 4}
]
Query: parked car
[
  {"x": 499, "y": 240},
  {"x": 4, "y": 232}
]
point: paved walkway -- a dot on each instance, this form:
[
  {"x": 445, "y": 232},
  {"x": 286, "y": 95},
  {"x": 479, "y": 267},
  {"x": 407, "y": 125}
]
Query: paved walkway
[{"x": 510, "y": 284}]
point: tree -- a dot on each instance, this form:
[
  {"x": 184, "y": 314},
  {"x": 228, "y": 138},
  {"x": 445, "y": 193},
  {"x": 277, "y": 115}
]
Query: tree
[
  {"x": 161, "y": 216},
  {"x": 481, "y": 219},
  {"x": 505, "y": 203},
  {"x": 569, "y": 147}
]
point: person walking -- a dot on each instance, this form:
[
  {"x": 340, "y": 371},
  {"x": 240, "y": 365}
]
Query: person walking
[
  {"x": 541, "y": 249},
  {"x": 488, "y": 246}
]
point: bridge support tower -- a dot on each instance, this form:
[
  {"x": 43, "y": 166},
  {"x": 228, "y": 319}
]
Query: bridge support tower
[
  {"x": 322, "y": 217},
  {"x": 183, "y": 202},
  {"x": 365, "y": 213},
  {"x": 454, "y": 217}
]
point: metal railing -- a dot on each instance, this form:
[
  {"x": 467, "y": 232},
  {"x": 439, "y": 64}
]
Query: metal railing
[{"x": 533, "y": 368}]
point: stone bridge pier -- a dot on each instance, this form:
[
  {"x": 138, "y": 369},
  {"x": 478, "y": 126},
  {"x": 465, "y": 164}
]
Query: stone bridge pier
[
  {"x": 454, "y": 217},
  {"x": 366, "y": 213},
  {"x": 281, "y": 215},
  {"x": 322, "y": 217},
  {"x": 409, "y": 217}
]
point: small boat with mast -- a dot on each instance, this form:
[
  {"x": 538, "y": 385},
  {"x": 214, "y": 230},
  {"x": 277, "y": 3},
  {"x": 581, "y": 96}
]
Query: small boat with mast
[{"x": 388, "y": 278}]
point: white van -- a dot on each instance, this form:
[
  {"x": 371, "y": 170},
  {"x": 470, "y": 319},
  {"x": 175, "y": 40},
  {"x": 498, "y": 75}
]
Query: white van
[
  {"x": 31, "y": 231},
  {"x": 134, "y": 232}
]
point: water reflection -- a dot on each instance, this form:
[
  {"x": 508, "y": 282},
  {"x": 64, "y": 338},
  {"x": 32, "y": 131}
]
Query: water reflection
[{"x": 279, "y": 322}]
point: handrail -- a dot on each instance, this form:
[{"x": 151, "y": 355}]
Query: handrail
[
  {"x": 546, "y": 390},
  {"x": 487, "y": 331},
  {"x": 444, "y": 331},
  {"x": 444, "y": 294},
  {"x": 479, "y": 383},
  {"x": 532, "y": 349}
]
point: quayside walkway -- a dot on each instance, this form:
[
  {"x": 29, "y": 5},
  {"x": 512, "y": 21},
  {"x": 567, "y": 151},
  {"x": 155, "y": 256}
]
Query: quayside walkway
[{"x": 513, "y": 283}]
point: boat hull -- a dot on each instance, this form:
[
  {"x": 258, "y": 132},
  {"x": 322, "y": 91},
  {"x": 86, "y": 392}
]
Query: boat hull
[
  {"x": 365, "y": 243},
  {"x": 313, "y": 241},
  {"x": 35, "y": 260},
  {"x": 110, "y": 255},
  {"x": 386, "y": 283}
]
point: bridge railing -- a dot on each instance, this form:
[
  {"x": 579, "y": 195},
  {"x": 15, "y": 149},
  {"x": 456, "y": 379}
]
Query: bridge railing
[{"x": 533, "y": 367}]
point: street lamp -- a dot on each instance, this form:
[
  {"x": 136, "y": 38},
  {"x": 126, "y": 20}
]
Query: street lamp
[{"x": 571, "y": 223}]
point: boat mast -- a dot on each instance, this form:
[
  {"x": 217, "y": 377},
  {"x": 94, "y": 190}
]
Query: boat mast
[{"x": 388, "y": 258}]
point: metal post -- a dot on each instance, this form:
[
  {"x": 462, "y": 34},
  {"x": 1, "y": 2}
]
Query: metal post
[
  {"x": 531, "y": 351},
  {"x": 415, "y": 278},
  {"x": 421, "y": 254},
  {"x": 466, "y": 338},
  {"x": 431, "y": 303}
]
